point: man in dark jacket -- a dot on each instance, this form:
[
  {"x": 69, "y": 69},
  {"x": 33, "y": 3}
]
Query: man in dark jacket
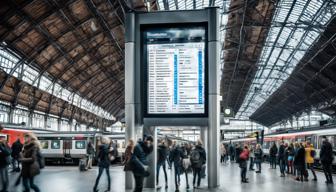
[
  {"x": 198, "y": 160},
  {"x": 162, "y": 152},
  {"x": 140, "y": 162},
  {"x": 326, "y": 157},
  {"x": 16, "y": 150},
  {"x": 238, "y": 150},
  {"x": 282, "y": 159},
  {"x": 300, "y": 162},
  {"x": 177, "y": 156},
  {"x": 103, "y": 163},
  {"x": 4, "y": 162},
  {"x": 273, "y": 152},
  {"x": 232, "y": 152}
]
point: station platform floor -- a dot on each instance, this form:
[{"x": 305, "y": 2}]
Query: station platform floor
[{"x": 69, "y": 179}]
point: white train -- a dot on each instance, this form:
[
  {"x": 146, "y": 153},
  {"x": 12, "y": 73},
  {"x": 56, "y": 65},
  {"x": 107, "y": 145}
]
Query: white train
[
  {"x": 71, "y": 146},
  {"x": 292, "y": 136}
]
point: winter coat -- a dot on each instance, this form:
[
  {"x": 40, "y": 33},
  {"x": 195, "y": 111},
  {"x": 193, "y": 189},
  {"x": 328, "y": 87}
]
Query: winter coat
[
  {"x": 162, "y": 153},
  {"x": 103, "y": 156},
  {"x": 258, "y": 153},
  {"x": 299, "y": 160},
  {"x": 309, "y": 158},
  {"x": 29, "y": 159},
  {"x": 90, "y": 150},
  {"x": 326, "y": 153},
  {"x": 16, "y": 149},
  {"x": 177, "y": 154},
  {"x": 281, "y": 152},
  {"x": 202, "y": 153},
  {"x": 139, "y": 158},
  {"x": 4, "y": 155},
  {"x": 273, "y": 151}
]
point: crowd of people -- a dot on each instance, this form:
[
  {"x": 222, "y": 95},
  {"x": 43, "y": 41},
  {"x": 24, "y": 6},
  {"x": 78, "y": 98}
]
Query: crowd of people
[{"x": 296, "y": 159}]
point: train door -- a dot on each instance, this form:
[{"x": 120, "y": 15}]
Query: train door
[{"x": 67, "y": 146}]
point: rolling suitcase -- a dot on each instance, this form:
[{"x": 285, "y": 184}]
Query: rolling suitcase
[{"x": 82, "y": 164}]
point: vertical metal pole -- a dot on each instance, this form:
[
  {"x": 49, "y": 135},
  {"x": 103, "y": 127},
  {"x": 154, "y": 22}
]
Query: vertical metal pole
[
  {"x": 129, "y": 87},
  {"x": 214, "y": 96},
  {"x": 150, "y": 181}
]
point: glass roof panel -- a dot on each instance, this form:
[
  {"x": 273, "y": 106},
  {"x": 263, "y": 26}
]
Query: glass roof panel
[{"x": 301, "y": 23}]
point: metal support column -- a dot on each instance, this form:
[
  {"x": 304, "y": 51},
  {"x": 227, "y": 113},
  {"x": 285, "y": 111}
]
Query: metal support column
[
  {"x": 214, "y": 96},
  {"x": 150, "y": 181},
  {"x": 130, "y": 105},
  {"x": 59, "y": 124},
  {"x": 30, "y": 120}
]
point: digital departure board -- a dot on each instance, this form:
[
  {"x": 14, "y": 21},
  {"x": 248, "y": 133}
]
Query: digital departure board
[{"x": 175, "y": 70}]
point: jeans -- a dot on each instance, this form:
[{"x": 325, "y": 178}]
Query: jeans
[
  {"x": 273, "y": 162},
  {"x": 282, "y": 166},
  {"x": 197, "y": 173},
  {"x": 251, "y": 163},
  {"x": 327, "y": 169},
  {"x": 258, "y": 163},
  {"x": 311, "y": 167},
  {"x": 138, "y": 183},
  {"x": 4, "y": 178},
  {"x": 177, "y": 170},
  {"x": 29, "y": 183},
  {"x": 163, "y": 164},
  {"x": 101, "y": 169}
]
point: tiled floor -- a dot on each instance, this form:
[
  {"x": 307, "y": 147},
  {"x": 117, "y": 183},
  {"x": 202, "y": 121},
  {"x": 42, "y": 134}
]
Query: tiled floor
[{"x": 69, "y": 179}]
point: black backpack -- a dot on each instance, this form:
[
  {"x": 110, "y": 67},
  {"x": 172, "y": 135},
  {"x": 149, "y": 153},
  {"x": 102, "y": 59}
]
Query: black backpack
[
  {"x": 312, "y": 153},
  {"x": 195, "y": 157}
]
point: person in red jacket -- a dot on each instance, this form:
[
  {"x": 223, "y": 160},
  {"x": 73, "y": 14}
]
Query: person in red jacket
[{"x": 243, "y": 157}]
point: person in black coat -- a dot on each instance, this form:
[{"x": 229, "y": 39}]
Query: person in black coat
[
  {"x": 282, "y": 159},
  {"x": 140, "y": 162},
  {"x": 232, "y": 152},
  {"x": 162, "y": 152},
  {"x": 103, "y": 163},
  {"x": 273, "y": 153},
  {"x": 300, "y": 162},
  {"x": 326, "y": 157},
  {"x": 197, "y": 164},
  {"x": 177, "y": 156},
  {"x": 16, "y": 150},
  {"x": 4, "y": 162}
]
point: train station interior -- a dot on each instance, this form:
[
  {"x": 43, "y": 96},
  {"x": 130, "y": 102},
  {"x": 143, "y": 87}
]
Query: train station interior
[{"x": 167, "y": 95}]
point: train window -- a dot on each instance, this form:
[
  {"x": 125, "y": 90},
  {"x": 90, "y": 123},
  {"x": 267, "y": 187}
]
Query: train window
[
  {"x": 44, "y": 144},
  {"x": 55, "y": 144},
  {"x": 80, "y": 144}
]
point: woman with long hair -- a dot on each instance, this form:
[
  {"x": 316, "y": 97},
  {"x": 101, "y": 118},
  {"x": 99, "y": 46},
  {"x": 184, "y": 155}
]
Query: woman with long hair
[{"x": 30, "y": 164}]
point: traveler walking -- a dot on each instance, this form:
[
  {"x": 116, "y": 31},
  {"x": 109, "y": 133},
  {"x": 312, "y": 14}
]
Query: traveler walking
[
  {"x": 4, "y": 163},
  {"x": 162, "y": 152},
  {"x": 232, "y": 152},
  {"x": 282, "y": 160},
  {"x": 258, "y": 153},
  {"x": 90, "y": 152},
  {"x": 300, "y": 163},
  {"x": 290, "y": 158},
  {"x": 243, "y": 157},
  {"x": 140, "y": 162},
  {"x": 273, "y": 153},
  {"x": 186, "y": 164},
  {"x": 326, "y": 157},
  {"x": 16, "y": 150},
  {"x": 104, "y": 163},
  {"x": 198, "y": 160},
  {"x": 30, "y": 162},
  {"x": 310, "y": 154},
  {"x": 222, "y": 153},
  {"x": 177, "y": 156},
  {"x": 252, "y": 157}
]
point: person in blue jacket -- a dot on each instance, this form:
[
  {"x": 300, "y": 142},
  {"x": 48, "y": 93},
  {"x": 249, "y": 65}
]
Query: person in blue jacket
[{"x": 140, "y": 162}]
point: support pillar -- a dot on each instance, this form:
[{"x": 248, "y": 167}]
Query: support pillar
[
  {"x": 30, "y": 120},
  {"x": 213, "y": 97},
  {"x": 45, "y": 122},
  {"x": 11, "y": 114},
  {"x": 150, "y": 181},
  {"x": 130, "y": 104},
  {"x": 59, "y": 124}
]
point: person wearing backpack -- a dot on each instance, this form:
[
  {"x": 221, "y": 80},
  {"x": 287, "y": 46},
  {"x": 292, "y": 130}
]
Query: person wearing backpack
[
  {"x": 162, "y": 152},
  {"x": 310, "y": 154},
  {"x": 30, "y": 162},
  {"x": 177, "y": 156},
  {"x": 198, "y": 160},
  {"x": 4, "y": 163}
]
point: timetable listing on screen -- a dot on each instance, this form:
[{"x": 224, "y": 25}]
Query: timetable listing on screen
[{"x": 175, "y": 78}]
